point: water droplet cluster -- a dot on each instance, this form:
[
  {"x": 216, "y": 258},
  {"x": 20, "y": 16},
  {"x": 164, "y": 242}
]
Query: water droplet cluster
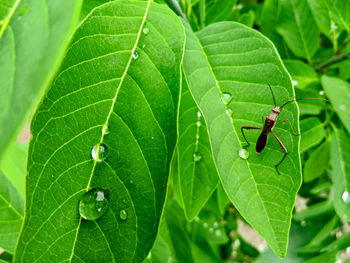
[
  {"x": 197, "y": 156},
  {"x": 226, "y": 98}
]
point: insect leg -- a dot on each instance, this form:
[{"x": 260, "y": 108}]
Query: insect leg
[
  {"x": 249, "y": 128},
  {"x": 264, "y": 118},
  {"x": 284, "y": 148},
  {"x": 289, "y": 125}
]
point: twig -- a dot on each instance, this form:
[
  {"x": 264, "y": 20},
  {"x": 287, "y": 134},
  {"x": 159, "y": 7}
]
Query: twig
[{"x": 334, "y": 59}]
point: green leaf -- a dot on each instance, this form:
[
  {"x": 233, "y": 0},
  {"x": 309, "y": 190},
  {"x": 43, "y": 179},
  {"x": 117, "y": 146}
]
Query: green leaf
[
  {"x": 302, "y": 74},
  {"x": 339, "y": 244},
  {"x": 228, "y": 57},
  {"x": 197, "y": 172},
  {"x": 323, "y": 17},
  {"x": 317, "y": 242},
  {"x": 326, "y": 257},
  {"x": 88, "y": 5},
  {"x": 338, "y": 92},
  {"x": 312, "y": 133},
  {"x": 33, "y": 39},
  {"x": 247, "y": 18},
  {"x": 101, "y": 126},
  {"x": 223, "y": 200},
  {"x": 298, "y": 28},
  {"x": 14, "y": 165},
  {"x": 11, "y": 214},
  {"x": 341, "y": 172},
  {"x": 218, "y": 10},
  {"x": 315, "y": 211},
  {"x": 341, "y": 12},
  {"x": 317, "y": 163}
]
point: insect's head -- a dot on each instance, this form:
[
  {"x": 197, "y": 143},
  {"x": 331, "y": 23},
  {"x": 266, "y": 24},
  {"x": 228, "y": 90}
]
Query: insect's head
[{"x": 276, "y": 110}]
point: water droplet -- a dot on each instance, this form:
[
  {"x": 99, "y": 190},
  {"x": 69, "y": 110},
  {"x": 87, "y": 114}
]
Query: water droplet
[
  {"x": 215, "y": 224},
  {"x": 321, "y": 92},
  {"x": 243, "y": 153},
  {"x": 199, "y": 124},
  {"x": 105, "y": 129},
  {"x": 131, "y": 181},
  {"x": 303, "y": 223},
  {"x": 295, "y": 82},
  {"x": 123, "y": 215},
  {"x": 346, "y": 197},
  {"x": 211, "y": 230},
  {"x": 197, "y": 219},
  {"x": 145, "y": 30},
  {"x": 229, "y": 112},
  {"x": 135, "y": 55},
  {"x": 52, "y": 175},
  {"x": 23, "y": 11},
  {"x": 152, "y": 137},
  {"x": 143, "y": 46},
  {"x": 93, "y": 204},
  {"x": 205, "y": 225},
  {"x": 218, "y": 232},
  {"x": 101, "y": 154},
  {"x": 199, "y": 114},
  {"x": 197, "y": 157},
  {"x": 197, "y": 136},
  {"x": 226, "y": 98}
]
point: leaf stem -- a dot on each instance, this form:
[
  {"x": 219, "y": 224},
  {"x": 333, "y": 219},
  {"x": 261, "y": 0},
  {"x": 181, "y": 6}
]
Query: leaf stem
[
  {"x": 334, "y": 59},
  {"x": 175, "y": 6}
]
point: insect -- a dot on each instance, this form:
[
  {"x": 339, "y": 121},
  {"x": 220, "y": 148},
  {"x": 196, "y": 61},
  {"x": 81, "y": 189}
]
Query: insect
[{"x": 270, "y": 123}]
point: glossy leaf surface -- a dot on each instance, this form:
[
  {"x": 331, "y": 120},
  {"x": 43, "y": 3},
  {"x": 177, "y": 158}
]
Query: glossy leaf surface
[
  {"x": 231, "y": 58},
  {"x": 104, "y": 96}
]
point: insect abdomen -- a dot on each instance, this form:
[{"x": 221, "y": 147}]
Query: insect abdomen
[{"x": 261, "y": 143}]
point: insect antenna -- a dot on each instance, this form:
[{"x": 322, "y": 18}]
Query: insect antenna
[
  {"x": 268, "y": 83},
  {"x": 300, "y": 99}
]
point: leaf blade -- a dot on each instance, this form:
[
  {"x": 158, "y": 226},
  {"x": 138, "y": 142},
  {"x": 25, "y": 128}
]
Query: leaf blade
[
  {"x": 206, "y": 78},
  {"x": 109, "y": 85}
]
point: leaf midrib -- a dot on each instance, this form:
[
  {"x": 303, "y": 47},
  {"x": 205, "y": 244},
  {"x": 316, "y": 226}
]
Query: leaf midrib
[
  {"x": 107, "y": 120},
  {"x": 7, "y": 20}
]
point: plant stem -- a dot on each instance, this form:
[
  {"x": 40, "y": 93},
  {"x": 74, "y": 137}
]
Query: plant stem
[
  {"x": 334, "y": 59},
  {"x": 175, "y": 6}
]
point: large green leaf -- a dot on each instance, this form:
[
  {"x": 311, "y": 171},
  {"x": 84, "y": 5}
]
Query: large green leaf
[
  {"x": 118, "y": 88},
  {"x": 338, "y": 92},
  {"x": 33, "y": 38},
  {"x": 197, "y": 172},
  {"x": 11, "y": 214},
  {"x": 229, "y": 58},
  {"x": 340, "y": 150},
  {"x": 298, "y": 28}
]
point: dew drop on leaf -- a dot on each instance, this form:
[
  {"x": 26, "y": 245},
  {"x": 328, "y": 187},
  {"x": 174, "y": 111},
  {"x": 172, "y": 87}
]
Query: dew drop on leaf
[
  {"x": 135, "y": 55},
  {"x": 346, "y": 197},
  {"x": 199, "y": 114},
  {"x": 199, "y": 124},
  {"x": 243, "y": 153},
  {"x": 321, "y": 92},
  {"x": 145, "y": 30},
  {"x": 205, "y": 225},
  {"x": 93, "y": 204},
  {"x": 295, "y": 82},
  {"x": 226, "y": 98},
  {"x": 197, "y": 156},
  {"x": 101, "y": 154},
  {"x": 215, "y": 224},
  {"x": 211, "y": 230},
  {"x": 123, "y": 215}
]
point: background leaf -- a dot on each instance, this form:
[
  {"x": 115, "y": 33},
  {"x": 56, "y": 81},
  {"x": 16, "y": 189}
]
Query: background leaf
[
  {"x": 317, "y": 162},
  {"x": 298, "y": 28},
  {"x": 230, "y": 58},
  {"x": 121, "y": 55},
  {"x": 302, "y": 74},
  {"x": 338, "y": 92},
  {"x": 197, "y": 171},
  {"x": 31, "y": 48},
  {"x": 312, "y": 133},
  {"x": 341, "y": 172},
  {"x": 11, "y": 214}
]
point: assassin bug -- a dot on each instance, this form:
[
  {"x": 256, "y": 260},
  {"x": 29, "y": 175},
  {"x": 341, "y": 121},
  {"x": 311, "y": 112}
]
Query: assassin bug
[{"x": 270, "y": 122}]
